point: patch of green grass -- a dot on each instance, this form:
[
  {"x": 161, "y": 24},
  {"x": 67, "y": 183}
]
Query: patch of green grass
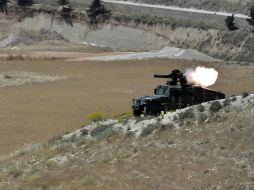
[
  {"x": 121, "y": 117},
  {"x": 97, "y": 116},
  {"x": 50, "y": 164},
  {"x": 186, "y": 114}
]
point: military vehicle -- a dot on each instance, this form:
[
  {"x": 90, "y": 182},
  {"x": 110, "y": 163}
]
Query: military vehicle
[{"x": 176, "y": 94}]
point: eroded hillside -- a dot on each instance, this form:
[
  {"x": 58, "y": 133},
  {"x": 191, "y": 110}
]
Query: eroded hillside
[{"x": 130, "y": 28}]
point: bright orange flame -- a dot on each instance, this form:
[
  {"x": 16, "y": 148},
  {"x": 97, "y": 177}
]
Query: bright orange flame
[{"x": 201, "y": 76}]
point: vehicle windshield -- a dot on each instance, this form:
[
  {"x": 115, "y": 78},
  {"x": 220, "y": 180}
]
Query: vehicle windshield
[{"x": 162, "y": 90}]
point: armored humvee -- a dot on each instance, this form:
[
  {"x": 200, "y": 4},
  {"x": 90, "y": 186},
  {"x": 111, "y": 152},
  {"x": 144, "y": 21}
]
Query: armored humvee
[{"x": 176, "y": 94}]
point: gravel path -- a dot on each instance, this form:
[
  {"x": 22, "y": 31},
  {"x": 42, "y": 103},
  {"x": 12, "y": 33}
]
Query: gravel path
[{"x": 177, "y": 8}]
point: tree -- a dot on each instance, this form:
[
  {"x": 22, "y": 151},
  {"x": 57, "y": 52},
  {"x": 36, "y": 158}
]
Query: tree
[
  {"x": 97, "y": 13},
  {"x": 252, "y": 12},
  {"x": 63, "y": 2},
  {"x": 66, "y": 11},
  {"x": 251, "y": 19},
  {"x": 25, "y": 3},
  {"x": 230, "y": 23},
  {"x": 3, "y": 6}
]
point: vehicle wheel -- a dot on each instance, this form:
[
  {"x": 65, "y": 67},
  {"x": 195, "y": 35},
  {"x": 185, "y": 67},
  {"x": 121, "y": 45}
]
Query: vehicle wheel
[
  {"x": 153, "y": 109},
  {"x": 136, "y": 113}
]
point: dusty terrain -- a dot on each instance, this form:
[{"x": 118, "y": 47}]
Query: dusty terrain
[{"x": 34, "y": 112}]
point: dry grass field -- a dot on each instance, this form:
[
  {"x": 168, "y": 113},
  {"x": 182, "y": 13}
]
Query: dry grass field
[{"x": 34, "y": 112}]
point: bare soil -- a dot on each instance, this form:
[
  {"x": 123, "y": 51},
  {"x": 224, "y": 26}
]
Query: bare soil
[{"x": 34, "y": 112}]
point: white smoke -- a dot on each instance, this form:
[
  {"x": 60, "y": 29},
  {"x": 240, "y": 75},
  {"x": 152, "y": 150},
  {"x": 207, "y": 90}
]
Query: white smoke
[{"x": 201, "y": 76}]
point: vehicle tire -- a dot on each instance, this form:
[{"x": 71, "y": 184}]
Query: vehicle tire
[
  {"x": 153, "y": 109},
  {"x": 136, "y": 113}
]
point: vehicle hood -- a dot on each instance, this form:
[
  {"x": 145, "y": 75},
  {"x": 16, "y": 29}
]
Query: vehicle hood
[{"x": 149, "y": 98}]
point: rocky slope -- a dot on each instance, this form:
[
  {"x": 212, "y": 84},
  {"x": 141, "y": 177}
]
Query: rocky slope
[{"x": 208, "y": 146}]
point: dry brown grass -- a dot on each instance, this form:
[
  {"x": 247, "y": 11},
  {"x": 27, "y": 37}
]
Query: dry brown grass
[
  {"x": 35, "y": 112},
  {"x": 14, "y": 57}
]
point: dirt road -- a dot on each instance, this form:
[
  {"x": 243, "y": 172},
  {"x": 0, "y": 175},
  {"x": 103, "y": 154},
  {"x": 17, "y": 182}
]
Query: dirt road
[{"x": 177, "y": 8}]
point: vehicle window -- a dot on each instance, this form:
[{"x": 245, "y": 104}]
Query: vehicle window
[{"x": 163, "y": 90}]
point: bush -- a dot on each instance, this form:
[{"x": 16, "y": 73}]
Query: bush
[
  {"x": 84, "y": 131},
  {"x": 245, "y": 94},
  {"x": 149, "y": 129},
  {"x": 50, "y": 163},
  {"x": 103, "y": 131},
  {"x": 187, "y": 114},
  {"x": 215, "y": 106},
  {"x": 98, "y": 130},
  {"x": 230, "y": 23},
  {"x": 97, "y": 116},
  {"x": 201, "y": 108},
  {"x": 167, "y": 126},
  {"x": 226, "y": 102},
  {"x": 97, "y": 13},
  {"x": 202, "y": 117},
  {"x": 63, "y": 2},
  {"x": 252, "y": 12},
  {"x": 122, "y": 116},
  {"x": 233, "y": 98}
]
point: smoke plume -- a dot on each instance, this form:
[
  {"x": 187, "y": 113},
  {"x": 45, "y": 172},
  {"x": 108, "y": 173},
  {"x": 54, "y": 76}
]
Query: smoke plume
[{"x": 201, "y": 76}]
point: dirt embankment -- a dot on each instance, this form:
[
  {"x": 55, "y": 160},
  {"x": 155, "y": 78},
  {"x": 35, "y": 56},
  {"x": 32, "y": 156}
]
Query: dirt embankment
[{"x": 132, "y": 36}]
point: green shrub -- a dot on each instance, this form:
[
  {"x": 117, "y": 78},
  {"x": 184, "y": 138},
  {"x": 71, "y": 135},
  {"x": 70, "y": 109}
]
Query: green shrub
[
  {"x": 50, "y": 163},
  {"x": 252, "y": 12},
  {"x": 97, "y": 116},
  {"x": 187, "y": 114},
  {"x": 230, "y": 23},
  {"x": 84, "y": 131},
  {"x": 226, "y": 102},
  {"x": 215, "y": 106},
  {"x": 97, "y": 13},
  {"x": 63, "y": 2},
  {"x": 201, "y": 108},
  {"x": 103, "y": 131},
  {"x": 122, "y": 116},
  {"x": 98, "y": 130},
  {"x": 245, "y": 94},
  {"x": 149, "y": 129},
  {"x": 202, "y": 117},
  {"x": 233, "y": 98}
]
